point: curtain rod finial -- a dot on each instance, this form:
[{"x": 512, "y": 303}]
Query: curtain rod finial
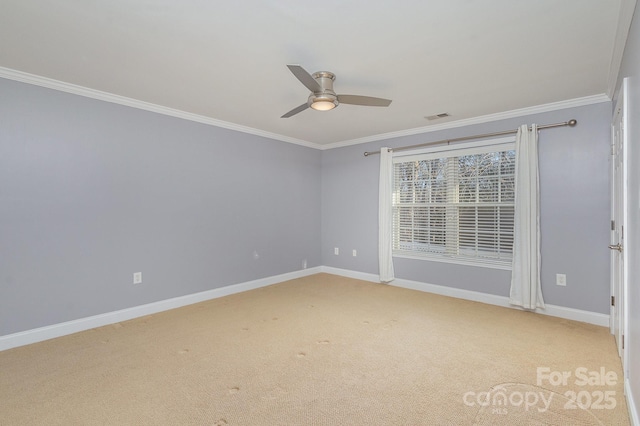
[{"x": 572, "y": 122}]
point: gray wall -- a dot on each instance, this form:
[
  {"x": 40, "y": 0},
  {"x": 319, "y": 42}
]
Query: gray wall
[
  {"x": 631, "y": 68},
  {"x": 91, "y": 192},
  {"x": 574, "y": 187}
]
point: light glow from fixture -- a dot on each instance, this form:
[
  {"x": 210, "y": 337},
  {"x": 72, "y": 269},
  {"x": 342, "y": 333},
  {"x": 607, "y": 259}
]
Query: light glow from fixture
[
  {"x": 323, "y": 102},
  {"x": 323, "y": 105}
]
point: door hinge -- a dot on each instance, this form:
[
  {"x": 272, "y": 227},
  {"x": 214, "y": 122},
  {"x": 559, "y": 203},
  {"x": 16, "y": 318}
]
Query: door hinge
[
  {"x": 613, "y": 301},
  {"x": 623, "y": 341},
  {"x": 613, "y": 225}
]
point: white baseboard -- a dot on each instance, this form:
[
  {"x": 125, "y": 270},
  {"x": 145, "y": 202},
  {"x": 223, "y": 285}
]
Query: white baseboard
[
  {"x": 69, "y": 327},
  {"x": 634, "y": 415},
  {"x": 491, "y": 299},
  {"x": 57, "y": 330}
]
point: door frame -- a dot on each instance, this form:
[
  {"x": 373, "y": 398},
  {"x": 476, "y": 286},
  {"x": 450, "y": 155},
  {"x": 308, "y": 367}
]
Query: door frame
[{"x": 619, "y": 278}]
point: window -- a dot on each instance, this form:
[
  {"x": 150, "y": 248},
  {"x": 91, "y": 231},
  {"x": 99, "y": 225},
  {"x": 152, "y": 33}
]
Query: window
[{"x": 456, "y": 205}]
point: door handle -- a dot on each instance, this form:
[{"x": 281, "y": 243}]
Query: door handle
[{"x": 616, "y": 247}]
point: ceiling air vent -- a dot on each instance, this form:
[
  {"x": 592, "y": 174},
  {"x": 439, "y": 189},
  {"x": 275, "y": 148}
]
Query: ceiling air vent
[{"x": 437, "y": 116}]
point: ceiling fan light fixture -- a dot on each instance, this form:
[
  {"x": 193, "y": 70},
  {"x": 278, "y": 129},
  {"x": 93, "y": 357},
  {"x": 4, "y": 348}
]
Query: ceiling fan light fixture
[
  {"x": 322, "y": 97},
  {"x": 323, "y": 102},
  {"x": 323, "y": 105}
]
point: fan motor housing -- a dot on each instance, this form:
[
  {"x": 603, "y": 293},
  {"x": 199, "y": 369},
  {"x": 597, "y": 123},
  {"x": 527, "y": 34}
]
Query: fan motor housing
[{"x": 327, "y": 98}]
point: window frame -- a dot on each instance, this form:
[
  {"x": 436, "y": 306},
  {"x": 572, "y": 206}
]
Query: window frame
[{"x": 436, "y": 152}]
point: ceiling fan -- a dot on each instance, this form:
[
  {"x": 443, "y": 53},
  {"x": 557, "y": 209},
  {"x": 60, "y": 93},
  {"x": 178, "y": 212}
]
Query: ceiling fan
[{"x": 322, "y": 97}]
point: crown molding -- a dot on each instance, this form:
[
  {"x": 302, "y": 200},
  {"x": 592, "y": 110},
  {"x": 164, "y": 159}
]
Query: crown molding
[
  {"x": 62, "y": 86},
  {"x": 571, "y": 103},
  {"x": 134, "y": 103}
]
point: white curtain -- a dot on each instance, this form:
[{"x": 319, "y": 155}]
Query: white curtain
[
  {"x": 525, "y": 275},
  {"x": 385, "y": 216}
]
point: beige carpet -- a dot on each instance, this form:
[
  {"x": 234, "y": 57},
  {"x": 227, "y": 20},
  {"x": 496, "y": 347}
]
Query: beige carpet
[{"x": 321, "y": 350}]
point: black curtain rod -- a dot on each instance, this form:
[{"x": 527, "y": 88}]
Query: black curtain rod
[{"x": 570, "y": 123}]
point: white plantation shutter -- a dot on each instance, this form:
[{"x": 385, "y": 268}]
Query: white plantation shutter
[{"x": 456, "y": 205}]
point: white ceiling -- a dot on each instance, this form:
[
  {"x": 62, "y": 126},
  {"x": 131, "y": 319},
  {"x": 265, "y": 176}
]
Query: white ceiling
[{"x": 226, "y": 60}]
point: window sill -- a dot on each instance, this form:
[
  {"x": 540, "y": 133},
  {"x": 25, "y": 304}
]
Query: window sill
[{"x": 458, "y": 261}]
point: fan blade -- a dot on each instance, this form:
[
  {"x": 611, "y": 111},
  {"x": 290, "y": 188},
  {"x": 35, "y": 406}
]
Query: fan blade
[
  {"x": 363, "y": 100},
  {"x": 305, "y": 78},
  {"x": 296, "y": 110}
]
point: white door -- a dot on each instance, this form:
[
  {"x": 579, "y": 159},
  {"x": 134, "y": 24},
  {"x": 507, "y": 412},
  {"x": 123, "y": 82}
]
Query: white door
[{"x": 618, "y": 223}]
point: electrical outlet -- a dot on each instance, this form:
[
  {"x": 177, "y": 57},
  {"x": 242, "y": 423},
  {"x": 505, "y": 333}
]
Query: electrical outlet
[
  {"x": 355, "y": 252},
  {"x": 304, "y": 264},
  {"x": 137, "y": 277},
  {"x": 336, "y": 251},
  {"x": 561, "y": 279}
]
